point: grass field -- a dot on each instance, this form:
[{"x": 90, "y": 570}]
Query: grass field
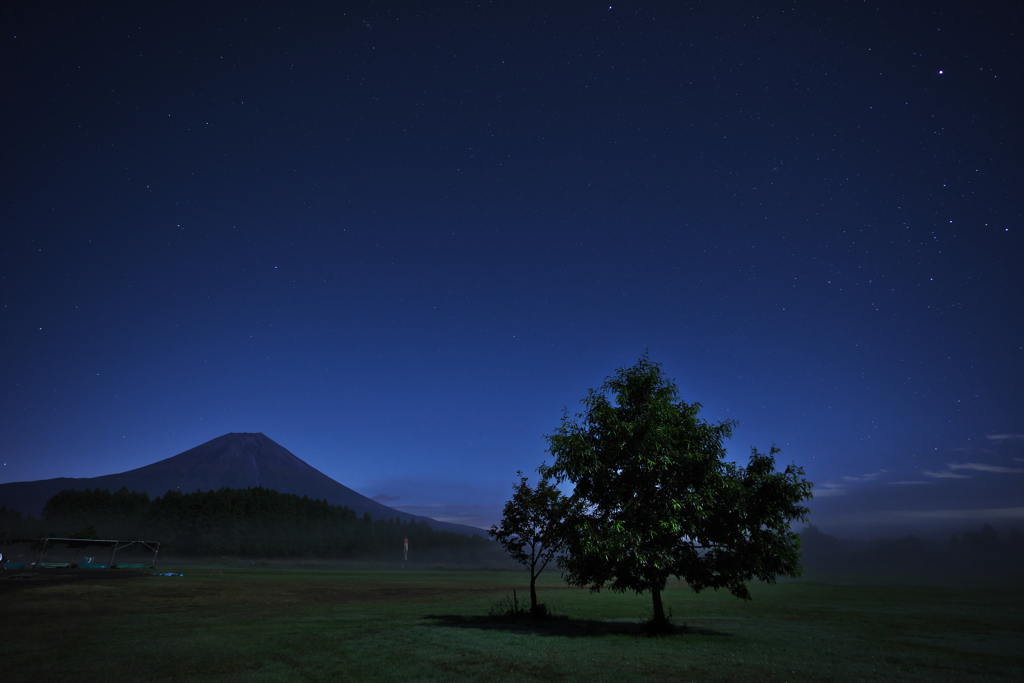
[{"x": 320, "y": 624}]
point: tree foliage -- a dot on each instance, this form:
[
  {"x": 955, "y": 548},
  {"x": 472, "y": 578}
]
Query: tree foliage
[
  {"x": 530, "y": 528},
  {"x": 656, "y": 496}
]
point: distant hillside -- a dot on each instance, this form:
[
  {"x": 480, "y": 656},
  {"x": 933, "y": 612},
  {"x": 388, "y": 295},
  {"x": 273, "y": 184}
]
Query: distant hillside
[{"x": 235, "y": 460}]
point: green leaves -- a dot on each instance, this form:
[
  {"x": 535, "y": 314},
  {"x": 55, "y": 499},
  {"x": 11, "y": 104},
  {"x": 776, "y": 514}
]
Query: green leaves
[
  {"x": 534, "y": 526},
  {"x": 654, "y": 496},
  {"x": 530, "y": 529}
]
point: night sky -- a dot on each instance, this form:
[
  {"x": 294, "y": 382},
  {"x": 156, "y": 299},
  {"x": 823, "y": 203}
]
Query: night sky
[{"x": 398, "y": 238}]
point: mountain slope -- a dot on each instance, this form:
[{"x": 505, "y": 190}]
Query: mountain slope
[{"x": 235, "y": 460}]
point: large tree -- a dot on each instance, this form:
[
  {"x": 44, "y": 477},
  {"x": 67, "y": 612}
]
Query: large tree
[
  {"x": 656, "y": 496},
  {"x": 530, "y": 527}
]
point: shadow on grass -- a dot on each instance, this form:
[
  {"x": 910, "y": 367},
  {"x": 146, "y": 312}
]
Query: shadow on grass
[{"x": 561, "y": 628}]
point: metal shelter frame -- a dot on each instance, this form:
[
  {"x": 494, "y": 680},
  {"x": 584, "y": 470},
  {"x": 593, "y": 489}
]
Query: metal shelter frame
[{"x": 115, "y": 545}]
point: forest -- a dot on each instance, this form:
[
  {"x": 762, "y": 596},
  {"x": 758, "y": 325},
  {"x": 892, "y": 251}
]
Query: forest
[{"x": 252, "y": 522}]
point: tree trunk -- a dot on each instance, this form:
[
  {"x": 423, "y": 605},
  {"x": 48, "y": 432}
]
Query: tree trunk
[
  {"x": 533, "y": 592},
  {"x": 659, "y": 611}
]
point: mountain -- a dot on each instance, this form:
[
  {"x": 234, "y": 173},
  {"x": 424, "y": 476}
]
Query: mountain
[{"x": 234, "y": 461}]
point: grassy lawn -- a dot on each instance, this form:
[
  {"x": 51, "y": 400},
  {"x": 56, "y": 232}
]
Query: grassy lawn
[{"x": 272, "y": 624}]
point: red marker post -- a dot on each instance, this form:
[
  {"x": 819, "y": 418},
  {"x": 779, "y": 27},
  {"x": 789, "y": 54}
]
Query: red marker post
[{"x": 406, "y": 548}]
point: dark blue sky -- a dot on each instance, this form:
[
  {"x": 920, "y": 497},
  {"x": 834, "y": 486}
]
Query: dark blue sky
[{"x": 398, "y": 238}]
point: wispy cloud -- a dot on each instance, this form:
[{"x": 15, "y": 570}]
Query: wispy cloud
[
  {"x": 973, "y": 467},
  {"x": 946, "y": 475},
  {"x": 384, "y": 498},
  {"x": 866, "y": 477},
  {"x": 973, "y": 449},
  {"x": 981, "y": 467},
  {"x": 879, "y": 518},
  {"x": 1005, "y": 437},
  {"x": 828, "y": 489},
  {"x": 907, "y": 483},
  {"x": 481, "y": 516},
  {"x": 832, "y": 488}
]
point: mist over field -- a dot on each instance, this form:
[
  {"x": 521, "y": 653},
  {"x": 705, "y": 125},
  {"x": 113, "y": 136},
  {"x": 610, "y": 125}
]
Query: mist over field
[{"x": 982, "y": 553}]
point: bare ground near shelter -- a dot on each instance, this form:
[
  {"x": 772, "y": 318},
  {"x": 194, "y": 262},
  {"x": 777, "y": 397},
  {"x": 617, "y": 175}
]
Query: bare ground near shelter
[{"x": 235, "y": 622}]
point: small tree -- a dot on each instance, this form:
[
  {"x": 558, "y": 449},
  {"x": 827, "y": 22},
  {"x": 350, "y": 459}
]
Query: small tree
[
  {"x": 529, "y": 528},
  {"x": 655, "y": 497}
]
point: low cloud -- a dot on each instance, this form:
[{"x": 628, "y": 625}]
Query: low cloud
[
  {"x": 880, "y": 518},
  {"x": 973, "y": 467},
  {"x": 1005, "y": 437},
  {"x": 384, "y": 498},
  {"x": 981, "y": 467},
  {"x": 829, "y": 489},
  {"x": 480, "y": 516},
  {"x": 973, "y": 450},
  {"x": 946, "y": 475},
  {"x": 866, "y": 477}
]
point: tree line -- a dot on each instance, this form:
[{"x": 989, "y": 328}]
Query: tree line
[{"x": 252, "y": 522}]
